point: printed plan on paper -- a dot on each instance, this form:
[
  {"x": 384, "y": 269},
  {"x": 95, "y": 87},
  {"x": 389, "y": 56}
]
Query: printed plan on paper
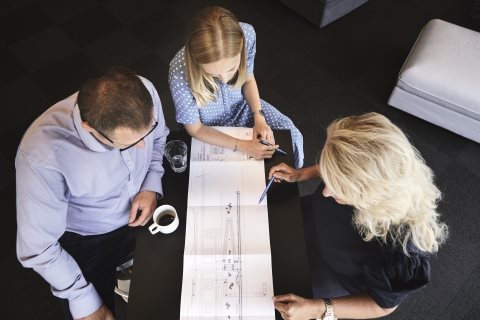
[{"x": 227, "y": 271}]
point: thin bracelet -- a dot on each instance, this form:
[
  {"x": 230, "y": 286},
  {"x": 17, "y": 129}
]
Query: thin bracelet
[{"x": 236, "y": 145}]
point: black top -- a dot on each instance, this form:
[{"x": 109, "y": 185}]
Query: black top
[{"x": 381, "y": 270}]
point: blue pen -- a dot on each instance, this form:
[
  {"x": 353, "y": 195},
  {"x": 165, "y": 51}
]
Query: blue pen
[
  {"x": 266, "y": 143},
  {"x": 266, "y": 189}
]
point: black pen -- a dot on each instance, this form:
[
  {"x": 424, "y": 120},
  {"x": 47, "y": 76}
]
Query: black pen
[{"x": 266, "y": 143}]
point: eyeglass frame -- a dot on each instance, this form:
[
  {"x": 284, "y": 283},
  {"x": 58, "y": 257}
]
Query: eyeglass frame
[{"x": 132, "y": 145}]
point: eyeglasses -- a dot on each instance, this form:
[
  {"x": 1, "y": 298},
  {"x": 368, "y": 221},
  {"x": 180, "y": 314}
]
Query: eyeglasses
[{"x": 134, "y": 144}]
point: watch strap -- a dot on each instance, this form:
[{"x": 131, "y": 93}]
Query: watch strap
[
  {"x": 259, "y": 112},
  {"x": 328, "y": 314}
]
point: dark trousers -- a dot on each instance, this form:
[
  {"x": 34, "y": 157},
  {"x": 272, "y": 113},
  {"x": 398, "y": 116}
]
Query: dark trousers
[{"x": 98, "y": 256}]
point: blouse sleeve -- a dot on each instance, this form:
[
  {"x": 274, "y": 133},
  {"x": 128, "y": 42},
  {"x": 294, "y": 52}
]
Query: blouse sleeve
[
  {"x": 250, "y": 45},
  {"x": 392, "y": 279},
  {"x": 185, "y": 104}
]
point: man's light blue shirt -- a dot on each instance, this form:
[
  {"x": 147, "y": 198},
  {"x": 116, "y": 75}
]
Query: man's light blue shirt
[{"x": 69, "y": 181}]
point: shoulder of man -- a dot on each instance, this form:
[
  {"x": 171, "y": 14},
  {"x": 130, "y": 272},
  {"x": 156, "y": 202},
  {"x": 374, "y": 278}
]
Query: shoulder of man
[
  {"x": 47, "y": 134},
  {"x": 151, "y": 89}
]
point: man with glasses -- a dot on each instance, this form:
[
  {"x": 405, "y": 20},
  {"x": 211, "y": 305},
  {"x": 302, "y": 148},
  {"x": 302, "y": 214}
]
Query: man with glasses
[{"x": 88, "y": 169}]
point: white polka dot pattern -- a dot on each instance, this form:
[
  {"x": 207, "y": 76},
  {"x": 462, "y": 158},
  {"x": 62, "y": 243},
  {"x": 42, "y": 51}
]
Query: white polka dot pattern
[{"x": 230, "y": 107}]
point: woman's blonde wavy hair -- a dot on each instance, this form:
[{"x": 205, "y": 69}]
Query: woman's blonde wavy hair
[
  {"x": 213, "y": 34},
  {"x": 370, "y": 164}
]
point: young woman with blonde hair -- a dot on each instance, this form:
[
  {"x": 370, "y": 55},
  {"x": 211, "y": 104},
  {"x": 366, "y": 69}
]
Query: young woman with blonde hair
[
  {"x": 370, "y": 252},
  {"x": 212, "y": 84}
]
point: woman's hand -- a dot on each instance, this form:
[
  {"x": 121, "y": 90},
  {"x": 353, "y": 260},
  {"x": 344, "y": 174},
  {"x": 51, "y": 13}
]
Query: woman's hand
[
  {"x": 284, "y": 172},
  {"x": 262, "y": 130},
  {"x": 260, "y": 127},
  {"x": 293, "y": 307},
  {"x": 256, "y": 149},
  {"x": 212, "y": 136}
]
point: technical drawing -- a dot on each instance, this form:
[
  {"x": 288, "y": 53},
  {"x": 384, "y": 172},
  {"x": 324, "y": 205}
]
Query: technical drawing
[{"x": 227, "y": 263}]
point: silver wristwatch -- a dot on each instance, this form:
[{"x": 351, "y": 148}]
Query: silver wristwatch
[
  {"x": 328, "y": 314},
  {"x": 260, "y": 112}
]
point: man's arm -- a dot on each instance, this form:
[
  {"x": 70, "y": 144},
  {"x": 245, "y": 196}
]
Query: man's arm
[
  {"x": 146, "y": 199},
  {"x": 42, "y": 201},
  {"x": 153, "y": 179}
]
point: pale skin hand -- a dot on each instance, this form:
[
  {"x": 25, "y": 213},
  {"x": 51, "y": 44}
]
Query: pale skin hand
[
  {"x": 360, "y": 306},
  {"x": 260, "y": 129},
  {"x": 143, "y": 206},
  {"x": 256, "y": 149},
  {"x": 102, "y": 313},
  {"x": 224, "y": 70},
  {"x": 212, "y": 136}
]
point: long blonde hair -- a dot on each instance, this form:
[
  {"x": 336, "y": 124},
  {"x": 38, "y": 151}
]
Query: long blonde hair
[
  {"x": 369, "y": 163},
  {"x": 213, "y": 34}
]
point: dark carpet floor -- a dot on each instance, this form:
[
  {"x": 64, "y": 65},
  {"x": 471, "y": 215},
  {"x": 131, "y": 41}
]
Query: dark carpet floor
[{"x": 48, "y": 48}]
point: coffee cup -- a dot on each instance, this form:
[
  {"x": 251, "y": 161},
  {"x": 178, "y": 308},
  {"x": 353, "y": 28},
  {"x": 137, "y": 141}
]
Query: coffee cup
[{"x": 165, "y": 220}]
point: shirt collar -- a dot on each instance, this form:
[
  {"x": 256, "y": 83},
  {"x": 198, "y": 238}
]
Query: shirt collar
[{"x": 87, "y": 138}]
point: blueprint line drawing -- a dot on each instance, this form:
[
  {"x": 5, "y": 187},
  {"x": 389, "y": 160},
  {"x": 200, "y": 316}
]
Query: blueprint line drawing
[{"x": 227, "y": 271}]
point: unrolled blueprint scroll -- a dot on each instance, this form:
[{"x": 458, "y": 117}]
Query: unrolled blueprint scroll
[{"x": 227, "y": 272}]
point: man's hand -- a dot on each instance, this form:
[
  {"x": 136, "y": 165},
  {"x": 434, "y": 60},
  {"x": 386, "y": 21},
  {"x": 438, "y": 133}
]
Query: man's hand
[
  {"x": 142, "y": 209},
  {"x": 102, "y": 313},
  {"x": 293, "y": 307}
]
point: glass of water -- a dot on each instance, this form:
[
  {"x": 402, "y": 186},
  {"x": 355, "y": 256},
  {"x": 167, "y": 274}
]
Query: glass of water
[{"x": 176, "y": 154}]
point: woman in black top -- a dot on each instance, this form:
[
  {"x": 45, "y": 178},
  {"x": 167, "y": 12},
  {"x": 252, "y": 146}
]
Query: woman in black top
[{"x": 368, "y": 253}]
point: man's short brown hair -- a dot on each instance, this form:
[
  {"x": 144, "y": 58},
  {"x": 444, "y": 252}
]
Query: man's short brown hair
[{"x": 118, "y": 99}]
